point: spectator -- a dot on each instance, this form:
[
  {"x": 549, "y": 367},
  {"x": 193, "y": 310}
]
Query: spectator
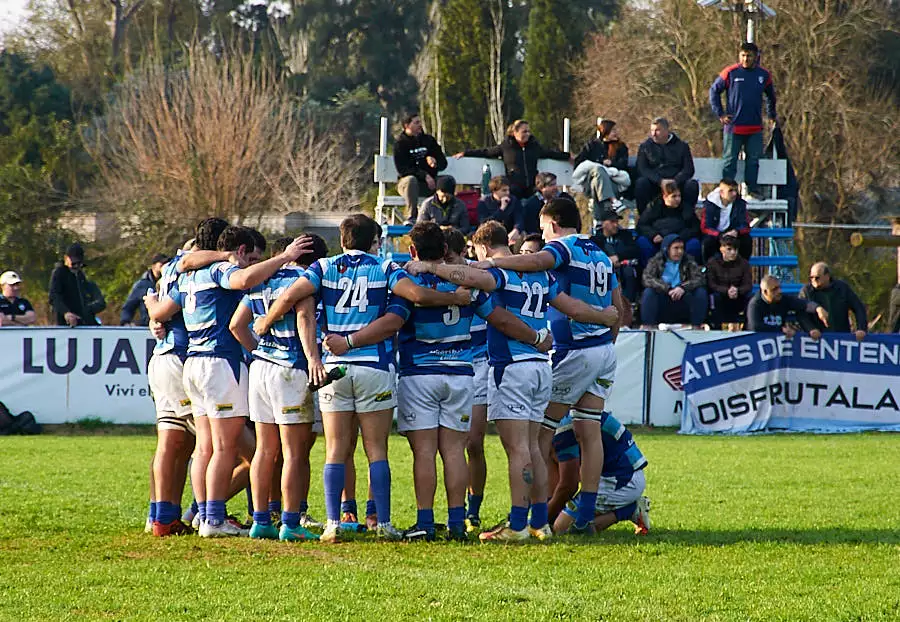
[
  {"x": 418, "y": 157},
  {"x": 730, "y": 283},
  {"x": 673, "y": 287},
  {"x": 606, "y": 149},
  {"x": 135, "y": 301},
  {"x": 14, "y": 310},
  {"x": 668, "y": 214},
  {"x": 664, "y": 157},
  {"x": 501, "y": 206},
  {"x": 602, "y": 169},
  {"x": 75, "y": 300},
  {"x": 623, "y": 251},
  {"x": 520, "y": 152},
  {"x": 547, "y": 189},
  {"x": 533, "y": 243},
  {"x": 444, "y": 207},
  {"x": 725, "y": 213},
  {"x": 838, "y": 299},
  {"x": 771, "y": 311},
  {"x": 744, "y": 84}
]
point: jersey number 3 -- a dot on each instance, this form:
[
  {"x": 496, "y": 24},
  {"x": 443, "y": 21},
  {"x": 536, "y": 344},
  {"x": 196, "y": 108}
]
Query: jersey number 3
[{"x": 354, "y": 295}]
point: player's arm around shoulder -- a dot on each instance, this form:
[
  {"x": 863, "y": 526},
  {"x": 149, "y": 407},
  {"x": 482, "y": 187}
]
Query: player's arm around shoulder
[
  {"x": 534, "y": 262},
  {"x": 582, "y": 312},
  {"x": 240, "y": 327},
  {"x": 426, "y": 297},
  {"x": 464, "y": 276}
]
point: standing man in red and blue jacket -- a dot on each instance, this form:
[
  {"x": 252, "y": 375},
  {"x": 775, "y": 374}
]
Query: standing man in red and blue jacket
[{"x": 744, "y": 83}]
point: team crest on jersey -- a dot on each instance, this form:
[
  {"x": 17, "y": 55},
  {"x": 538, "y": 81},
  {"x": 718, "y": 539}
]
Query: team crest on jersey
[
  {"x": 383, "y": 397},
  {"x": 760, "y": 79},
  {"x": 342, "y": 268}
]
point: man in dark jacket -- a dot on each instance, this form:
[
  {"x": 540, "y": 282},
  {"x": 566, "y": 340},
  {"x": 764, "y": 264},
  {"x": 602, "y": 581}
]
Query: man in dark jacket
[
  {"x": 838, "y": 300},
  {"x": 668, "y": 214},
  {"x": 134, "y": 313},
  {"x": 418, "y": 158},
  {"x": 730, "y": 283},
  {"x": 546, "y": 190},
  {"x": 503, "y": 207},
  {"x": 520, "y": 152},
  {"x": 771, "y": 311},
  {"x": 444, "y": 207},
  {"x": 664, "y": 157},
  {"x": 744, "y": 84},
  {"x": 673, "y": 283},
  {"x": 73, "y": 298},
  {"x": 725, "y": 214},
  {"x": 622, "y": 250}
]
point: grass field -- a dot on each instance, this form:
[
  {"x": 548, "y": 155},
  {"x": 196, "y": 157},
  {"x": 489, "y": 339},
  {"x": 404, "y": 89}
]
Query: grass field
[{"x": 763, "y": 528}]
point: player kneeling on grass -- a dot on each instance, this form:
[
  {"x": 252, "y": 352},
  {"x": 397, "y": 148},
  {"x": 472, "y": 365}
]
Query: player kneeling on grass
[
  {"x": 519, "y": 377},
  {"x": 278, "y": 391},
  {"x": 215, "y": 376},
  {"x": 620, "y": 494},
  {"x": 435, "y": 389},
  {"x": 354, "y": 288}
]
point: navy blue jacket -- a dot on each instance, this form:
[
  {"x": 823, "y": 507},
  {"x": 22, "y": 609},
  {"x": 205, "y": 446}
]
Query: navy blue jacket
[
  {"x": 744, "y": 89},
  {"x": 511, "y": 218}
]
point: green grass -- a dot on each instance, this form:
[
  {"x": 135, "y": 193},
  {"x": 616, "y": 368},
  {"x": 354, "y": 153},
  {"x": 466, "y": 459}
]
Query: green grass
[{"x": 761, "y": 528}]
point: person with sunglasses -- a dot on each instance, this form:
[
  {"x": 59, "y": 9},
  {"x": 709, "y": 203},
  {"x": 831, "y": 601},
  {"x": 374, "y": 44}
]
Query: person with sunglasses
[
  {"x": 75, "y": 300},
  {"x": 837, "y": 297}
]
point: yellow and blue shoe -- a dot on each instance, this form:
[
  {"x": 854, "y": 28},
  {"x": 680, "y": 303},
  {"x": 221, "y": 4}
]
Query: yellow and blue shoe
[{"x": 544, "y": 534}]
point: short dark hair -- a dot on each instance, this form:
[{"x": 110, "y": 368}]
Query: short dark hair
[
  {"x": 491, "y": 234},
  {"x": 208, "y": 232},
  {"x": 428, "y": 239},
  {"x": 75, "y": 251},
  {"x": 670, "y": 187},
  {"x": 455, "y": 241},
  {"x": 318, "y": 251},
  {"x": 542, "y": 180},
  {"x": 563, "y": 212},
  {"x": 748, "y": 46},
  {"x": 728, "y": 240},
  {"x": 159, "y": 258},
  {"x": 234, "y": 237},
  {"x": 728, "y": 181},
  {"x": 259, "y": 240},
  {"x": 497, "y": 182},
  {"x": 534, "y": 237},
  {"x": 408, "y": 117},
  {"x": 358, "y": 232},
  {"x": 280, "y": 244}
]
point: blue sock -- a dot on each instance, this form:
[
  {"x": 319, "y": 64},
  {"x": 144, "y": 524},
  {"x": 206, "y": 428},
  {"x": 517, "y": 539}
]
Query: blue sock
[
  {"x": 291, "y": 519},
  {"x": 304, "y": 507},
  {"x": 153, "y": 511},
  {"x": 425, "y": 519},
  {"x": 262, "y": 518},
  {"x": 625, "y": 513},
  {"x": 380, "y": 477},
  {"x": 166, "y": 512},
  {"x": 475, "y": 505},
  {"x": 275, "y": 506},
  {"x": 586, "y": 504},
  {"x": 370, "y": 507},
  {"x": 249, "y": 500},
  {"x": 195, "y": 507},
  {"x": 539, "y": 515},
  {"x": 215, "y": 512},
  {"x": 349, "y": 506},
  {"x": 456, "y": 518},
  {"x": 518, "y": 518},
  {"x": 201, "y": 510},
  {"x": 333, "y": 482}
]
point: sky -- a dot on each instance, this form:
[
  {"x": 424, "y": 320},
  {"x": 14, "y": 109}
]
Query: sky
[{"x": 11, "y": 13}]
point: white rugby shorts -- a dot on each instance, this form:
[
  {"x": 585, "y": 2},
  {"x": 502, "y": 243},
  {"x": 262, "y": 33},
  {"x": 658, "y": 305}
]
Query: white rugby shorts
[
  {"x": 362, "y": 390},
  {"x": 609, "y": 498},
  {"x": 480, "y": 386},
  {"x": 576, "y": 372},
  {"x": 430, "y": 401},
  {"x": 520, "y": 391},
  {"x": 278, "y": 394},
  {"x": 213, "y": 389},
  {"x": 173, "y": 406}
]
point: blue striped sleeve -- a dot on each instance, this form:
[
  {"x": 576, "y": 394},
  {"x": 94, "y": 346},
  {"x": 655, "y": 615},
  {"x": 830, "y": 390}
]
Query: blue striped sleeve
[
  {"x": 483, "y": 304},
  {"x": 394, "y": 274},
  {"x": 221, "y": 274},
  {"x": 553, "y": 287},
  {"x": 314, "y": 274},
  {"x": 560, "y": 252},
  {"x": 499, "y": 277},
  {"x": 399, "y": 306}
]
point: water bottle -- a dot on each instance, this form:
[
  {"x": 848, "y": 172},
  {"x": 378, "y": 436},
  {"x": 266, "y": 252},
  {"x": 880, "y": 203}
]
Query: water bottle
[
  {"x": 335, "y": 373},
  {"x": 485, "y": 179}
]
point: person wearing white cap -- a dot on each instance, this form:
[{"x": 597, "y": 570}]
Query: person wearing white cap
[{"x": 14, "y": 310}]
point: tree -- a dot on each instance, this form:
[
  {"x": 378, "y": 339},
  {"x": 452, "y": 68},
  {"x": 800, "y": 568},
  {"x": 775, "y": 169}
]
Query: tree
[{"x": 546, "y": 84}]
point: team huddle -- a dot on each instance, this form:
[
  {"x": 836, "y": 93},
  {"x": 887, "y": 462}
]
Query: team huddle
[{"x": 524, "y": 341}]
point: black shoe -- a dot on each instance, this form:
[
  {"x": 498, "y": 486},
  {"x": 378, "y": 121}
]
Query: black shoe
[
  {"x": 418, "y": 534},
  {"x": 458, "y": 534}
]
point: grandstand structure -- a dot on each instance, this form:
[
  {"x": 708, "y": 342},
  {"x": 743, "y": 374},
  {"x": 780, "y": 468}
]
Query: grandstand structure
[{"x": 771, "y": 230}]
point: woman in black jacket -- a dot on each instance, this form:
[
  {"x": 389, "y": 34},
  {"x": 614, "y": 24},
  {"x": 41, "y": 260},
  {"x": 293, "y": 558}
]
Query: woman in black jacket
[
  {"x": 520, "y": 152},
  {"x": 606, "y": 149}
]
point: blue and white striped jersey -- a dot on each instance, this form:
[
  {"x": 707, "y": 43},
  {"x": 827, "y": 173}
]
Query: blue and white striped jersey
[
  {"x": 479, "y": 338},
  {"x": 621, "y": 456},
  {"x": 527, "y": 296},
  {"x": 176, "y": 340},
  {"x": 584, "y": 272},
  {"x": 353, "y": 289},
  {"x": 208, "y": 302},
  {"x": 438, "y": 340},
  {"x": 281, "y": 345}
]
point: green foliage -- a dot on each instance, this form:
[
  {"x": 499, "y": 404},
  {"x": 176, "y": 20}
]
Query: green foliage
[{"x": 778, "y": 528}]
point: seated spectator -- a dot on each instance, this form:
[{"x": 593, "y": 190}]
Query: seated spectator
[
  {"x": 601, "y": 169},
  {"x": 673, "y": 285},
  {"x": 662, "y": 158},
  {"x": 606, "y": 149},
  {"x": 668, "y": 214},
  {"x": 730, "y": 283},
  {"x": 623, "y": 251},
  {"x": 772, "y": 311},
  {"x": 75, "y": 300},
  {"x": 14, "y": 310},
  {"x": 418, "y": 157},
  {"x": 838, "y": 299},
  {"x": 547, "y": 189},
  {"x": 533, "y": 243},
  {"x": 520, "y": 152},
  {"x": 134, "y": 304},
  {"x": 444, "y": 207},
  {"x": 501, "y": 206},
  {"x": 725, "y": 214}
]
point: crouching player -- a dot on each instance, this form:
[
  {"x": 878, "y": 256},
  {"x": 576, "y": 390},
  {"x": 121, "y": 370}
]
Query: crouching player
[{"x": 620, "y": 495}]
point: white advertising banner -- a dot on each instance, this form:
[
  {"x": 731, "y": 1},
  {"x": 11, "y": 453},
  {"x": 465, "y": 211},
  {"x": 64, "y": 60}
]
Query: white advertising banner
[
  {"x": 66, "y": 374},
  {"x": 628, "y": 395}
]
